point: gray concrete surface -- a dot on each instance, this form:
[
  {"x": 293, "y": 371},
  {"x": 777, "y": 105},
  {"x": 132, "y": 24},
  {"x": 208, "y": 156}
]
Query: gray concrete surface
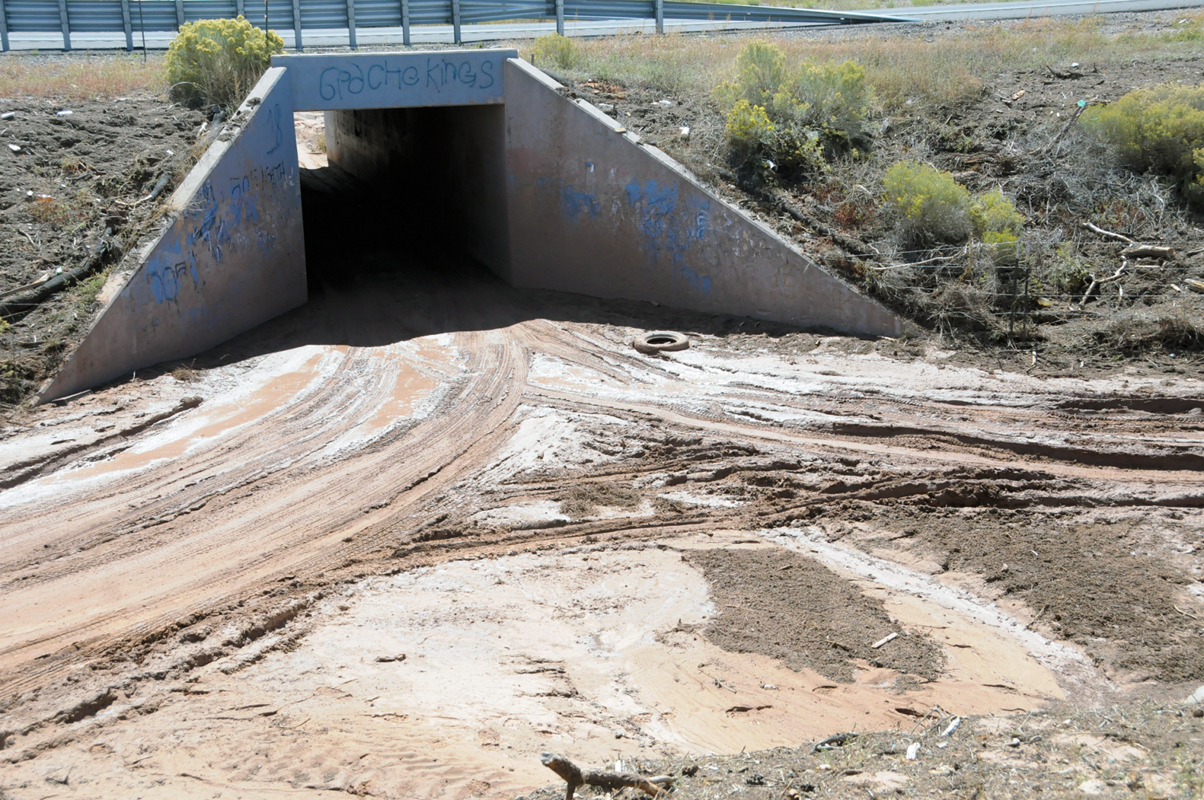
[
  {"x": 396, "y": 80},
  {"x": 594, "y": 211},
  {"x": 232, "y": 256}
]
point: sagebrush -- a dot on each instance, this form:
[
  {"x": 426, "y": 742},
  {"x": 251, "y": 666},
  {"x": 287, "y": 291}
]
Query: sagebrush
[
  {"x": 216, "y": 62},
  {"x": 930, "y": 206},
  {"x": 1161, "y": 130},
  {"x": 789, "y": 119},
  {"x": 555, "y": 50}
]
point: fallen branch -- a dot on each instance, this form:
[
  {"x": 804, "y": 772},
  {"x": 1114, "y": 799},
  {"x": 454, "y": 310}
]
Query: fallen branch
[
  {"x": 779, "y": 201},
  {"x": 1117, "y": 236},
  {"x": 1078, "y": 112},
  {"x": 574, "y": 777},
  {"x": 44, "y": 289},
  {"x": 1096, "y": 282},
  {"x": 1149, "y": 251},
  {"x": 885, "y": 640}
]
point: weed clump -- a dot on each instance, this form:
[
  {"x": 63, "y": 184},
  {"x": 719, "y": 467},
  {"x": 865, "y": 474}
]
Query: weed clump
[
  {"x": 1161, "y": 130},
  {"x": 930, "y": 206},
  {"x": 556, "y": 50},
  {"x": 997, "y": 224},
  {"x": 216, "y": 62},
  {"x": 791, "y": 119}
]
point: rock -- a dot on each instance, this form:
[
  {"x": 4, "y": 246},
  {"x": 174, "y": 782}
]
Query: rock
[{"x": 1093, "y": 787}]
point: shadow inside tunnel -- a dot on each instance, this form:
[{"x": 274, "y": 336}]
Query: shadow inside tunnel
[{"x": 381, "y": 270}]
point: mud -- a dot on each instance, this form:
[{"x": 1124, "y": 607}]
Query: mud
[
  {"x": 1041, "y": 560},
  {"x": 403, "y": 539},
  {"x": 791, "y": 608}
]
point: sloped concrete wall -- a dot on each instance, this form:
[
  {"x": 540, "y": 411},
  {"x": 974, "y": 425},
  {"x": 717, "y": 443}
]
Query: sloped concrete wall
[
  {"x": 593, "y": 211},
  {"x": 232, "y": 258}
]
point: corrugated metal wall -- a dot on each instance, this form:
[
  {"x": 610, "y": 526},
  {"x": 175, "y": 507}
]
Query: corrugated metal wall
[{"x": 106, "y": 16}]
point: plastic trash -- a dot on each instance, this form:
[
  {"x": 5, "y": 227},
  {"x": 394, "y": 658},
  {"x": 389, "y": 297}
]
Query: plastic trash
[{"x": 64, "y": 113}]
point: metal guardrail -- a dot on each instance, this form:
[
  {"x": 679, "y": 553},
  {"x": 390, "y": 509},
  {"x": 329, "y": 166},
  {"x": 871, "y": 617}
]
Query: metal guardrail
[{"x": 135, "y": 17}]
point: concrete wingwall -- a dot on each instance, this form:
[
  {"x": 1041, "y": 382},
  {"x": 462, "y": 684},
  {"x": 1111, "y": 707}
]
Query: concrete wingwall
[
  {"x": 232, "y": 257},
  {"x": 593, "y": 211}
]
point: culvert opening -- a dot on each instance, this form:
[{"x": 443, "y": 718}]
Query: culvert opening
[{"x": 406, "y": 190}]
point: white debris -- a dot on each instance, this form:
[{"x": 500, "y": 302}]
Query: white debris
[{"x": 913, "y": 751}]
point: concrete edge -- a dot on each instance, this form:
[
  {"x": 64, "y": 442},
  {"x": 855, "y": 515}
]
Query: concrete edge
[
  {"x": 176, "y": 204},
  {"x": 686, "y": 175}
]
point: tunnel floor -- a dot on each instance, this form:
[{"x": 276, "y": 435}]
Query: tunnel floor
[{"x": 377, "y": 273}]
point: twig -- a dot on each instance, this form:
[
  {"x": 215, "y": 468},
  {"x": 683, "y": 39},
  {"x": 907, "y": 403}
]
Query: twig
[
  {"x": 574, "y": 777},
  {"x": 885, "y": 640},
  {"x": 1099, "y": 281},
  {"x": 932, "y": 260},
  {"x": 27, "y": 236},
  {"x": 1117, "y": 236},
  {"x": 1078, "y": 112}
]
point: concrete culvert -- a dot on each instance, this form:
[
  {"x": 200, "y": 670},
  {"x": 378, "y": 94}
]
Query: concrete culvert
[{"x": 660, "y": 342}]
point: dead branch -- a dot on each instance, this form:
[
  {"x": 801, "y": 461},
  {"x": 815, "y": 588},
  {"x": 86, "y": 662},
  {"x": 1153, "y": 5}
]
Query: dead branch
[
  {"x": 574, "y": 777},
  {"x": 1078, "y": 112},
  {"x": 1149, "y": 251},
  {"x": 1117, "y": 236},
  {"x": 1096, "y": 282}
]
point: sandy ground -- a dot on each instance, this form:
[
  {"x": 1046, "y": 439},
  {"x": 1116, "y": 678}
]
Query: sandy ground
[{"x": 402, "y": 540}]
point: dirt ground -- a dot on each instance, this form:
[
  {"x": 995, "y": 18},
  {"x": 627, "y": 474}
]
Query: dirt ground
[
  {"x": 402, "y": 540},
  {"x": 1014, "y": 133},
  {"x": 74, "y": 193}
]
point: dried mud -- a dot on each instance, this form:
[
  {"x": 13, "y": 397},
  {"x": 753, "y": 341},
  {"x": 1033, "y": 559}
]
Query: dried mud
[{"x": 791, "y": 608}]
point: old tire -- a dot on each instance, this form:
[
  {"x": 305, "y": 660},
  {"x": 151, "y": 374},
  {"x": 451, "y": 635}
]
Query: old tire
[{"x": 660, "y": 342}]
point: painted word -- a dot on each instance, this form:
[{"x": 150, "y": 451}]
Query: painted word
[{"x": 438, "y": 74}]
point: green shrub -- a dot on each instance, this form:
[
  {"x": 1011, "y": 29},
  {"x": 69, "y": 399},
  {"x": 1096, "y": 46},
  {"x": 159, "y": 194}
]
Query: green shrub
[
  {"x": 812, "y": 111},
  {"x": 1160, "y": 130},
  {"x": 216, "y": 62},
  {"x": 930, "y": 205},
  {"x": 555, "y": 50},
  {"x": 1067, "y": 272},
  {"x": 997, "y": 223}
]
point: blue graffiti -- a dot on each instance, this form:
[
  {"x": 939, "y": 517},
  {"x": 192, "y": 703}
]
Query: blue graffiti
[
  {"x": 695, "y": 281},
  {"x": 574, "y": 203},
  {"x": 668, "y": 230},
  {"x": 164, "y": 279}
]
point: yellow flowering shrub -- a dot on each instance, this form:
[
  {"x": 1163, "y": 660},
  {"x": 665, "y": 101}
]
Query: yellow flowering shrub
[
  {"x": 555, "y": 50},
  {"x": 929, "y": 204},
  {"x": 997, "y": 223},
  {"x": 1160, "y": 129},
  {"x": 814, "y": 110},
  {"x": 216, "y": 62}
]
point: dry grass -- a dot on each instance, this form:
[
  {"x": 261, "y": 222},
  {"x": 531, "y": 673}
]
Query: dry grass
[
  {"x": 86, "y": 77},
  {"x": 949, "y": 69}
]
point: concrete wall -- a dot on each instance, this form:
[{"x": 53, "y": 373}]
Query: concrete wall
[
  {"x": 593, "y": 211},
  {"x": 232, "y": 257},
  {"x": 442, "y": 168},
  {"x": 396, "y": 80}
]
